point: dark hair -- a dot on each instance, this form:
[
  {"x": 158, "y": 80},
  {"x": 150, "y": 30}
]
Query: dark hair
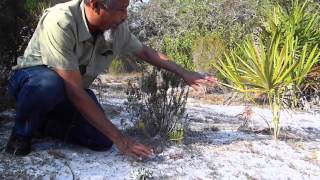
[{"x": 87, "y": 1}]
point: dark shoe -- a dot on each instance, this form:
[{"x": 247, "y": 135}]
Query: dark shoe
[{"x": 18, "y": 145}]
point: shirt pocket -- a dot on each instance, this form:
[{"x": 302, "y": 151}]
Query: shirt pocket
[
  {"x": 103, "y": 55},
  {"x": 103, "y": 61},
  {"x": 100, "y": 63}
]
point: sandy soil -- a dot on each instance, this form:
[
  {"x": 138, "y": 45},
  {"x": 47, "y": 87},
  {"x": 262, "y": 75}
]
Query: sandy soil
[{"x": 214, "y": 147}]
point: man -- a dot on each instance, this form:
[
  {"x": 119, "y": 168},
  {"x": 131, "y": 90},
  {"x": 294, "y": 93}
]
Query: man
[{"x": 66, "y": 53}]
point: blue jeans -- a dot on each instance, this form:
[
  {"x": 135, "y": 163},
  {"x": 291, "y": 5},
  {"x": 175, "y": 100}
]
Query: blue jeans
[{"x": 42, "y": 106}]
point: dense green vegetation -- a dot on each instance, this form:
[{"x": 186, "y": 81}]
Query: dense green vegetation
[
  {"x": 283, "y": 56},
  {"x": 266, "y": 47},
  {"x": 14, "y": 35},
  {"x": 177, "y": 26}
]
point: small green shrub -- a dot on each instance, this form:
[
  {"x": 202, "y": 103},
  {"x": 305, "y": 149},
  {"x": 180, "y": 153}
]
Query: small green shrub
[
  {"x": 158, "y": 104},
  {"x": 180, "y": 49},
  {"x": 116, "y": 66},
  {"x": 207, "y": 50},
  {"x": 35, "y": 9}
]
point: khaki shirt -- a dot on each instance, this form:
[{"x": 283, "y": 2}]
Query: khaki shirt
[{"x": 62, "y": 40}]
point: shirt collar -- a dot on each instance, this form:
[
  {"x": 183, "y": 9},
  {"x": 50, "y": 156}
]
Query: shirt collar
[{"x": 84, "y": 33}]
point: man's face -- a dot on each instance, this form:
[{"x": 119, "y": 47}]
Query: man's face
[{"x": 113, "y": 15}]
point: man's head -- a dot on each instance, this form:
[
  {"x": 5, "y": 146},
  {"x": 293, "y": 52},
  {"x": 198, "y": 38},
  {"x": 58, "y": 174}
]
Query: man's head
[{"x": 105, "y": 14}]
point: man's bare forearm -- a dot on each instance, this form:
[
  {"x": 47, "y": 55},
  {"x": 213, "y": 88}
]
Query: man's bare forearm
[
  {"x": 95, "y": 116},
  {"x": 86, "y": 106},
  {"x": 160, "y": 60},
  {"x": 90, "y": 111}
]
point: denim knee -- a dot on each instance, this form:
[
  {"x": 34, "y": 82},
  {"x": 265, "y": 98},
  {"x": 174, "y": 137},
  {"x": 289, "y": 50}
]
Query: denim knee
[
  {"x": 37, "y": 90},
  {"x": 39, "y": 87},
  {"x": 48, "y": 86}
]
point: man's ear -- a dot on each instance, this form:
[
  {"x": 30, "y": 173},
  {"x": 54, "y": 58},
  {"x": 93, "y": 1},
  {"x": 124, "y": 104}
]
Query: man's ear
[{"x": 93, "y": 4}]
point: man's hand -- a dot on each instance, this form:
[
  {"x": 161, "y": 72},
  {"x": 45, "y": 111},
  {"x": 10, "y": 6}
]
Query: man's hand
[
  {"x": 195, "y": 79},
  {"x": 160, "y": 60},
  {"x": 95, "y": 116},
  {"x": 128, "y": 146}
]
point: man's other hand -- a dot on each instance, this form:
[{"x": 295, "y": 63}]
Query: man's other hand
[
  {"x": 195, "y": 79},
  {"x": 136, "y": 150}
]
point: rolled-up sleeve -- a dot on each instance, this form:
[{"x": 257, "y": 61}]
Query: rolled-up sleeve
[
  {"x": 57, "y": 45},
  {"x": 132, "y": 44}
]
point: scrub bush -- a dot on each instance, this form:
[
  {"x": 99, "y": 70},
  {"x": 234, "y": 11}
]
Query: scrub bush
[
  {"x": 207, "y": 50},
  {"x": 116, "y": 66},
  {"x": 180, "y": 28},
  {"x": 158, "y": 103},
  {"x": 180, "y": 49}
]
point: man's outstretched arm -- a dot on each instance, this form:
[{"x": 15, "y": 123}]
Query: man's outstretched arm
[
  {"x": 90, "y": 110},
  {"x": 160, "y": 60}
]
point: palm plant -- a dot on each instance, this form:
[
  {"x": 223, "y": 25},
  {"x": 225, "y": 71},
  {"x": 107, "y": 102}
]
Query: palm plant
[
  {"x": 301, "y": 19},
  {"x": 266, "y": 67}
]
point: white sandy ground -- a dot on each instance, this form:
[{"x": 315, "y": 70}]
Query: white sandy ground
[{"x": 205, "y": 154}]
